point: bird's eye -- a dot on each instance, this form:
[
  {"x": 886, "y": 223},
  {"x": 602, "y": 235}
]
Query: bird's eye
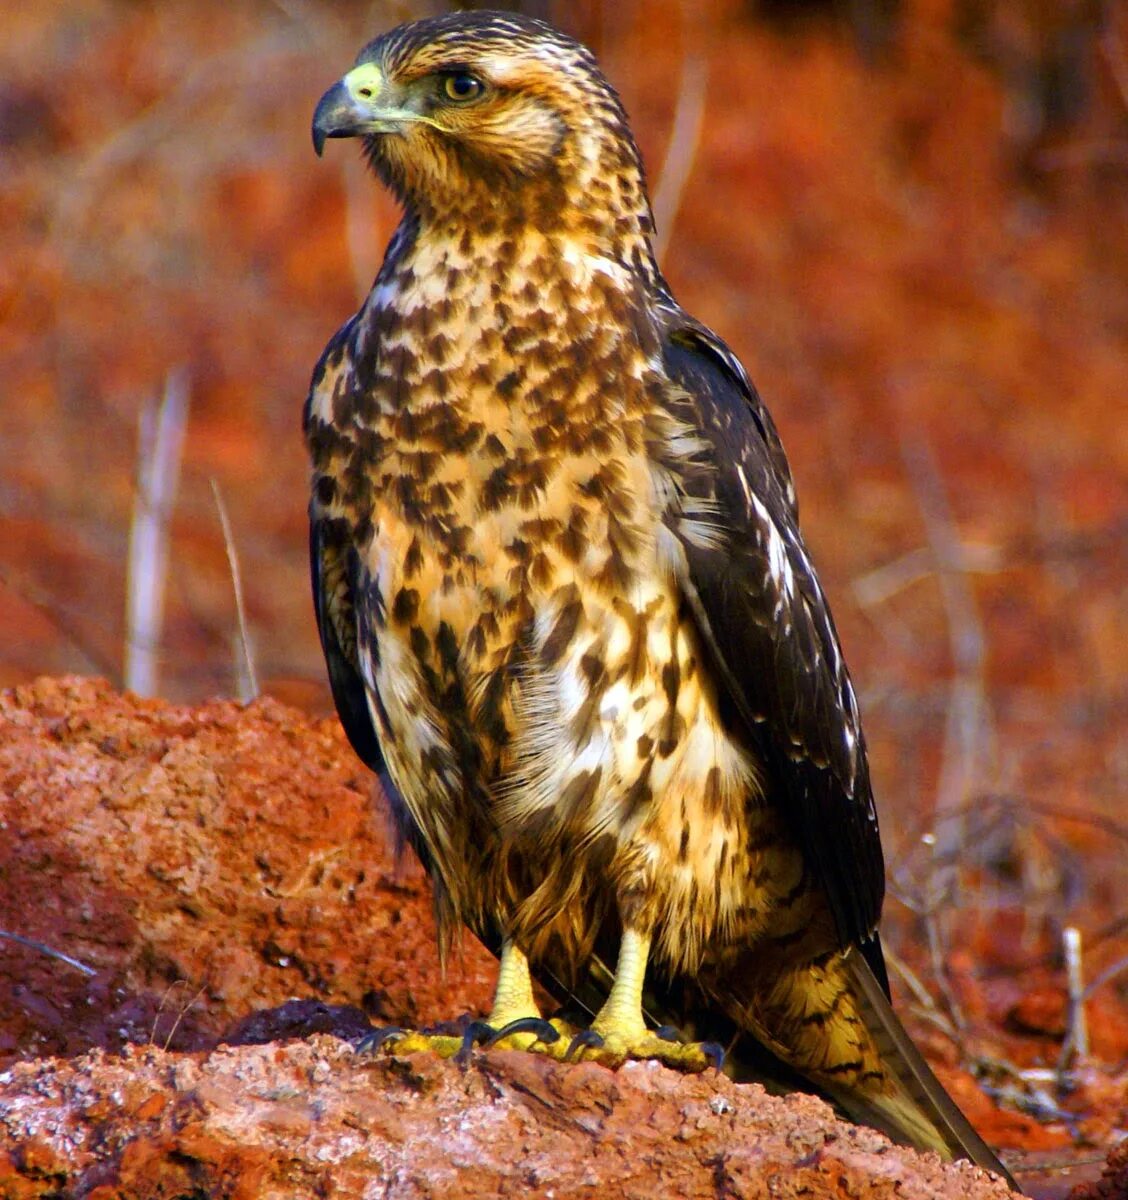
[{"x": 462, "y": 87}]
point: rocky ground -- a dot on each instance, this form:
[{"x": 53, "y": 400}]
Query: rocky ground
[
  {"x": 308, "y": 1118},
  {"x": 236, "y": 917}
]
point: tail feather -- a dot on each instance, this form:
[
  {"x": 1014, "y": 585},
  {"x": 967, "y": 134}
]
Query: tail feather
[{"x": 931, "y": 1117}]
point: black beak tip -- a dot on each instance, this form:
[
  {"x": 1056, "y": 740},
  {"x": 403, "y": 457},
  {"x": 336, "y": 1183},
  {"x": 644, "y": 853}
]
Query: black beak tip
[{"x": 333, "y": 116}]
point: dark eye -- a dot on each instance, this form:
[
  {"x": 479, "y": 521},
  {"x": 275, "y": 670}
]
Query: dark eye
[{"x": 462, "y": 87}]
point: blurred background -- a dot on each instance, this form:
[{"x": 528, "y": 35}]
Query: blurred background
[{"x": 909, "y": 219}]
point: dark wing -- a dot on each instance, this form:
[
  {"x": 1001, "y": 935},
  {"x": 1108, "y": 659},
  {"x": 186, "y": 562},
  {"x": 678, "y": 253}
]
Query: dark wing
[
  {"x": 332, "y": 569},
  {"x": 332, "y": 557},
  {"x": 774, "y": 648}
]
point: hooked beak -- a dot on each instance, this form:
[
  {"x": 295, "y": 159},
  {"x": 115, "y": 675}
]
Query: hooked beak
[{"x": 356, "y": 105}]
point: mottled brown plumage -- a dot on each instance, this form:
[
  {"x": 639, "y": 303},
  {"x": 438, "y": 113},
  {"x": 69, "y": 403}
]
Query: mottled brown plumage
[{"x": 564, "y": 601}]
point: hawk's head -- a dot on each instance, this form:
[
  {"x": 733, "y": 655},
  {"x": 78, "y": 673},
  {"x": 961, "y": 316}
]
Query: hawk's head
[{"x": 488, "y": 110}]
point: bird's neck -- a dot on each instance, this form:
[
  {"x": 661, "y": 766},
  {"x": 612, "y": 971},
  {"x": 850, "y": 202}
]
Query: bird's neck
[
  {"x": 595, "y": 204},
  {"x": 512, "y": 253},
  {"x": 516, "y": 314}
]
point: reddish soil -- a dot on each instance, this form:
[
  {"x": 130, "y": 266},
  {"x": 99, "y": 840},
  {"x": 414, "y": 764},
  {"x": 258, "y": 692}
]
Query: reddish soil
[
  {"x": 223, "y": 873},
  {"x": 208, "y": 864}
]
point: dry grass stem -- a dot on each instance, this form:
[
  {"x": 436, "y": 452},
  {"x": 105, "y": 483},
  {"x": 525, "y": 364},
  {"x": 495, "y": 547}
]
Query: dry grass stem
[
  {"x": 685, "y": 136},
  {"x": 246, "y": 680},
  {"x": 160, "y": 1007},
  {"x": 1076, "y": 1044},
  {"x": 161, "y": 443},
  {"x": 181, "y": 1014},
  {"x": 43, "y": 948}
]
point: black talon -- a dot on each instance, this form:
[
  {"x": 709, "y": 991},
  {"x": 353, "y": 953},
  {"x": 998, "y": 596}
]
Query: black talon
[
  {"x": 371, "y": 1042},
  {"x": 586, "y": 1037},
  {"x": 545, "y": 1032},
  {"x": 670, "y": 1033},
  {"x": 475, "y": 1032},
  {"x": 715, "y": 1053}
]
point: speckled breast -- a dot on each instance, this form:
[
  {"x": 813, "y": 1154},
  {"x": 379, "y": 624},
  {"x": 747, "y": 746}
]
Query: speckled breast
[{"x": 540, "y": 684}]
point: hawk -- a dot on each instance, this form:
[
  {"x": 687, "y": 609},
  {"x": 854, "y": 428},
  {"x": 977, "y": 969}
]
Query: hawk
[{"x": 568, "y": 615}]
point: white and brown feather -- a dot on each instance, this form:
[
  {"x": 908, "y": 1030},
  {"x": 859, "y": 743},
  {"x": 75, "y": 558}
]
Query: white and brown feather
[
  {"x": 601, "y": 675},
  {"x": 497, "y": 431}
]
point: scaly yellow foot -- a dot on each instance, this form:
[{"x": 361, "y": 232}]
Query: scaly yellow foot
[
  {"x": 514, "y": 1022},
  {"x": 619, "y": 1031}
]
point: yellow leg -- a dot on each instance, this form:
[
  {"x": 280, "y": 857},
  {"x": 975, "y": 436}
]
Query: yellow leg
[
  {"x": 619, "y": 1030},
  {"x": 617, "y": 1033},
  {"x": 513, "y": 996},
  {"x": 620, "y": 1018}
]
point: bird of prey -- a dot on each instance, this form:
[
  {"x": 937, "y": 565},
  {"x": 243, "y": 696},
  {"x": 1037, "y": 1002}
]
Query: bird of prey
[{"x": 568, "y": 615}]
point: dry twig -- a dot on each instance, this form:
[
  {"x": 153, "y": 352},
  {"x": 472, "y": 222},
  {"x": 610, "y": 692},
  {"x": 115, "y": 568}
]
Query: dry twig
[
  {"x": 43, "y": 948},
  {"x": 64, "y": 619},
  {"x": 884, "y": 582},
  {"x": 926, "y": 1006},
  {"x": 1105, "y": 976},
  {"x": 246, "y": 681},
  {"x": 968, "y": 711}
]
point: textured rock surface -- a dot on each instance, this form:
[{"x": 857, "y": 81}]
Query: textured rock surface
[
  {"x": 311, "y": 1118},
  {"x": 222, "y": 873},
  {"x": 207, "y": 862}
]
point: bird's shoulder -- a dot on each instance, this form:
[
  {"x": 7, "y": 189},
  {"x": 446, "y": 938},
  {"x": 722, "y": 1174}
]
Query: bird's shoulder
[
  {"x": 332, "y": 381},
  {"x": 766, "y": 622},
  {"x": 725, "y": 401}
]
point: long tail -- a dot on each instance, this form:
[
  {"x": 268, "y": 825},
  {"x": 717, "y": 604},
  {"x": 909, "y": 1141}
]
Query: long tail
[
  {"x": 923, "y": 1114},
  {"x": 829, "y": 1022}
]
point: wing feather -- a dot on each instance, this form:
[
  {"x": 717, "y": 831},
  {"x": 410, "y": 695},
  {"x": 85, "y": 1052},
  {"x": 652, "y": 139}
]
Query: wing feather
[
  {"x": 332, "y": 555},
  {"x": 331, "y": 569},
  {"x": 772, "y": 639}
]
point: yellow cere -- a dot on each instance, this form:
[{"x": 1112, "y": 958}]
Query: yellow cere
[{"x": 364, "y": 83}]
